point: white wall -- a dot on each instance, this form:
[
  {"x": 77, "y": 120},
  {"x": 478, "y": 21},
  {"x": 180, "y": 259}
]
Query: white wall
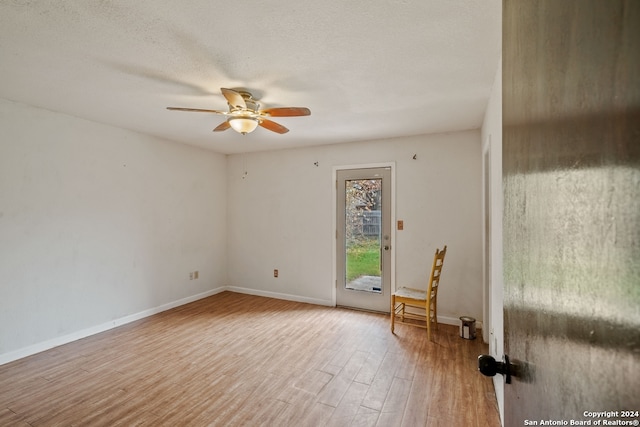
[
  {"x": 100, "y": 225},
  {"x": 280, "y": 216},
  {"x": 492, "y": 141}
]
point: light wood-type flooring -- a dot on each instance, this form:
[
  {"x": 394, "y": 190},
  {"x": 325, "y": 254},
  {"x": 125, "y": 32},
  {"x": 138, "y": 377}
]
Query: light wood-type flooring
[{"x": 241, "y": 360}]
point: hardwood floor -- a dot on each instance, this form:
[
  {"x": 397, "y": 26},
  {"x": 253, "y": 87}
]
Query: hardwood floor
[{"x": 241, "y": 360}]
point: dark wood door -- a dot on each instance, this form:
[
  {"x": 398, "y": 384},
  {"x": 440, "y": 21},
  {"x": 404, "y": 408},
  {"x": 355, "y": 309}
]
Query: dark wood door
[{"x": 571, "y": 177}]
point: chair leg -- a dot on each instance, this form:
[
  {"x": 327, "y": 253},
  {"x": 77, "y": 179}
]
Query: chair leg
[
  {"x": 393, "y": 312},
  {"x": 428, "y": 319},
  {"x": 435, "y": 315},
  {"x": 393, "y": 303}
]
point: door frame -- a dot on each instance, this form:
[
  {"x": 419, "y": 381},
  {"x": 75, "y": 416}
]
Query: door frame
[
  {"x": 487, "y": 240},
  {"x": 334, "y": 208},
  {"x": 493, "y": 324}
]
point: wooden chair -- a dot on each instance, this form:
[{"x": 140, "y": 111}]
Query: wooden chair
[{"x": 419, "y": 300}]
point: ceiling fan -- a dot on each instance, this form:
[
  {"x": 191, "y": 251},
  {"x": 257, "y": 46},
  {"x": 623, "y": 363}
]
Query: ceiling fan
[{"x": 245, "y": 115}]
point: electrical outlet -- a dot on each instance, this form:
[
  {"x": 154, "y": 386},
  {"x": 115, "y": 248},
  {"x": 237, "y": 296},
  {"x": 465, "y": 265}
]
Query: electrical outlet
[
  {"x": 275, "y": 273},
  {"x": 196, "y": 274},
  {"x": 400, "y": 224}
]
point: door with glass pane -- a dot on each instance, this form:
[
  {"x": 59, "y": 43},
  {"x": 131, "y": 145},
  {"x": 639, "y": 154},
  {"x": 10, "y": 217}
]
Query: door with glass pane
[{"x": 364, "y": 238}]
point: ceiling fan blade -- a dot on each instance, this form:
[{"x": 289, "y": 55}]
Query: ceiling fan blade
[
  {"x": 222, "y": 126},
  {"x": 198, "y": 110},
  {"x": 287, "y": 111},
  {"x": 273, "y": 126},
  {"x": 234, "y": 98}
]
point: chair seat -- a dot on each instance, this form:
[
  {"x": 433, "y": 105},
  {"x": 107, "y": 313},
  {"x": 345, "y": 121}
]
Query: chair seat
[{"x": 411, "y": 293}]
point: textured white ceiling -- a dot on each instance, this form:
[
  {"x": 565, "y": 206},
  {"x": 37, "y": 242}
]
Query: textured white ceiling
[{"x": 366, "y": 69}]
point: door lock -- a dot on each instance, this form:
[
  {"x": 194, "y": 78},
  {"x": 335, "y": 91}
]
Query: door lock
[{"x": 488, "y": 366}]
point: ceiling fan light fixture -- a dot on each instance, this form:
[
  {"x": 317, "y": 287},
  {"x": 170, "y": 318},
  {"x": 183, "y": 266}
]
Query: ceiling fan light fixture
[
  {"x": 243, "y": 125},
  {"x": 245, "y": 115}
]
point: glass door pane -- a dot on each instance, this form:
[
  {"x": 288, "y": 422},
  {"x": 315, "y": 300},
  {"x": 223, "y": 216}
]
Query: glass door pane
[
  {"x": 363, "y": 238},
  {"x": 363, "y": 201}
]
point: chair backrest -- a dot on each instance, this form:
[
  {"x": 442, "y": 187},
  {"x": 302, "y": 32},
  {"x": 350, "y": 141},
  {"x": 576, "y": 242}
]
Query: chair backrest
[{"x": 436, "y": 270}]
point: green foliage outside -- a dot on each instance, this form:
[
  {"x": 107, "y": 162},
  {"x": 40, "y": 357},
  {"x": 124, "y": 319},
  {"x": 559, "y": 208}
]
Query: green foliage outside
[{"x": 363, "y": 259}]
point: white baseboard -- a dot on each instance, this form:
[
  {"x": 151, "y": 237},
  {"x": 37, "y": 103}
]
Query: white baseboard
[
  {"x": 55, "y": 342},
  {"x": 455, "y": 321},
  {"x": 449, "y": 320},
  {"x": 277, "y": 295},
  {"x": 445, "y": 320},
  {"x": 65, "y": 339}
]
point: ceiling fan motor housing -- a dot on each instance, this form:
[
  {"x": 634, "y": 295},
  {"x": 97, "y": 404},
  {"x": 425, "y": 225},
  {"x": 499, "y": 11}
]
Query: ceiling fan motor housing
[{"x": 252, "y": 104}]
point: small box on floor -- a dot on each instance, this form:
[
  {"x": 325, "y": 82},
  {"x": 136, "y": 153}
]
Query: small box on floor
[{"x": 467, "y": 328}]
